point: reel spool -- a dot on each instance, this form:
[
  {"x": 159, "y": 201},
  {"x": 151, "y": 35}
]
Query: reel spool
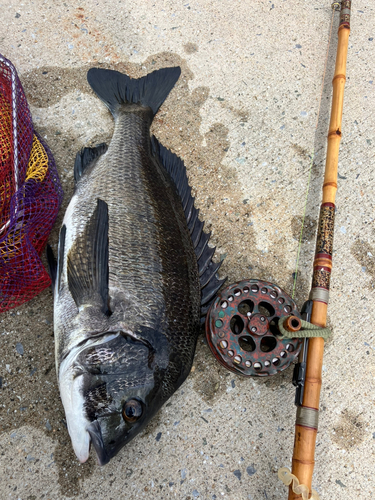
[{"x": 242, "y": 328}]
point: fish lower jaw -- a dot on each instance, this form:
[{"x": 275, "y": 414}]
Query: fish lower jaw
[
  {"x": 82, "y": 448},
  {"x": 73, "y": 402},
  {"x": 76, "y": 420}
]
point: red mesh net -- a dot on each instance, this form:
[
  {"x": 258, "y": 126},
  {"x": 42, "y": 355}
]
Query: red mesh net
[{"x": 30, "y": 195}]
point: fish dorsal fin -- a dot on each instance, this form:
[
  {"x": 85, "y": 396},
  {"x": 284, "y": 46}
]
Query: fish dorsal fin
[
  {"x": 210, "y": 283},
  {"x": 116, "y": 89},
  {"x": 87, "y": 262},
  {"x": 86, "y": 157}
]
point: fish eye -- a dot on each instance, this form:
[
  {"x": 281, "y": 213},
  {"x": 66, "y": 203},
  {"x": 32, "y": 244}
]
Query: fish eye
[{"x": 132, "y": 410}]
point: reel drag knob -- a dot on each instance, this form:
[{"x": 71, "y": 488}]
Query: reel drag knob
[{"x": 242, "y": 328}]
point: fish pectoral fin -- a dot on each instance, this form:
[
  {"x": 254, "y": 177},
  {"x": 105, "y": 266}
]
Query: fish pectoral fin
[
  {"x": 86, "y": 157},
  {"x": 52, "y": 265},
  {"x": 61, "y": 254},
  {"x": 55, "y": 267},
  {"x": 87, "y": 262}
]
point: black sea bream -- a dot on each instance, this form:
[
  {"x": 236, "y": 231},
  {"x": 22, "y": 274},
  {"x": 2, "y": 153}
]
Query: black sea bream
[{"x": 134, "y": 270}]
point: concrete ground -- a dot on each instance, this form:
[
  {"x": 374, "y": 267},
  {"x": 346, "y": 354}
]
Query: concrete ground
[{"x": 243, "y": 118}]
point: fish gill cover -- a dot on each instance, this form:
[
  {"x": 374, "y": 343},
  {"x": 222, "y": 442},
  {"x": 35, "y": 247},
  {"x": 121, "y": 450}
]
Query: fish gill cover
[{"x": 30, "y": 195}]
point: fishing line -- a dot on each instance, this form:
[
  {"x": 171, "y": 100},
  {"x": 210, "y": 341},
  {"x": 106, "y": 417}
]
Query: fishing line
[{"x": 334, "y": 8}]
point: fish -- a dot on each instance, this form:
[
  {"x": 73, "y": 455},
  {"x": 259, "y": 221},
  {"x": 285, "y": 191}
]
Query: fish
[{"x": 134, "y": 274}]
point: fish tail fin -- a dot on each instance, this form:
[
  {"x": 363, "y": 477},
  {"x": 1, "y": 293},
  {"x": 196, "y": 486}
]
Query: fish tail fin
[{"x": 116, "y": 89}]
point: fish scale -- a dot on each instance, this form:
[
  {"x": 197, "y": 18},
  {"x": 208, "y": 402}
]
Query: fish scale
[{"x": 150, "y": 252}]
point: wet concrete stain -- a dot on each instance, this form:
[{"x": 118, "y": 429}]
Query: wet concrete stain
[
  {"x": 308, "y": 230},
  {"x": 364, "y": 254},
  {"x": 302, "y": 152},
  {"x": 45, "y": 86},
  {"x": 241, "y": 114},
  {"x": 281, "y": 380},
  {"x": 190, "y": 48},
  {"x": 349, "y": 431},
  {"x": 70, "y": 472},
  {"x": 207, "y": 374}
]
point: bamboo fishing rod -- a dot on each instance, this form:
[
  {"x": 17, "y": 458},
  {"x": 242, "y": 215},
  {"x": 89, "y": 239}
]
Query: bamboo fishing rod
[{"x": 306, "y": 426}]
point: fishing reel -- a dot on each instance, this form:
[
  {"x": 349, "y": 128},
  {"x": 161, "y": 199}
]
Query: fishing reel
[{"x": 242, "y": 328}]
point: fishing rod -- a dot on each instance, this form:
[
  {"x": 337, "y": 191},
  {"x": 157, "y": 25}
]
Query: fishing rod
[
  {"x": 306, "y": 426},
  {"x": 254, "y": 328}
]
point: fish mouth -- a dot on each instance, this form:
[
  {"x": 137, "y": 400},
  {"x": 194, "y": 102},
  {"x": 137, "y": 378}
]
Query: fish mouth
[
  {"x": 71, "y": 392},
  {"x": 75, "y": 373},
  {"x": 95, "y": 434},
  {"x": 91, "y": 436}
]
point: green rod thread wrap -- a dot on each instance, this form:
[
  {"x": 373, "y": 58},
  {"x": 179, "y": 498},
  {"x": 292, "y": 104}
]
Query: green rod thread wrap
[{"x": 307, "y": 331}]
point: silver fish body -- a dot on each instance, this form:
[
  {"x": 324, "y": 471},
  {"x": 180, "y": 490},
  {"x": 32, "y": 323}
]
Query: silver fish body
[{"x": 133, "y": 270}]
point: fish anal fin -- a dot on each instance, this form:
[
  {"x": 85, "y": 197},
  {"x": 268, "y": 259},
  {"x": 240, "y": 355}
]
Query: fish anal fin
[{"x": 87, "y": 262}]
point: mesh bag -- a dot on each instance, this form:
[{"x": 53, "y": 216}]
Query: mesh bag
[{"x": 30, "y": 195}]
